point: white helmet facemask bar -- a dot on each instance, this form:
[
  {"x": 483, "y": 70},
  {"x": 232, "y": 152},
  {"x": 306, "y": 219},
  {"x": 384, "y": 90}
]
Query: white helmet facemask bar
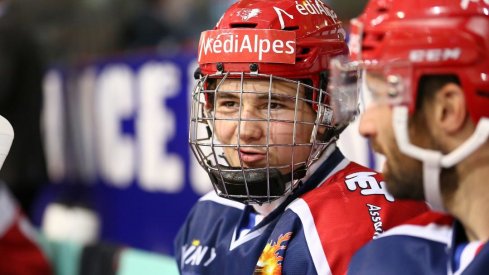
[{"x": 434, "y": 161}]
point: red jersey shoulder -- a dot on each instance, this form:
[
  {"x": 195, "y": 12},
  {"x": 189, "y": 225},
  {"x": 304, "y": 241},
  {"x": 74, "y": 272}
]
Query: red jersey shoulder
[
  {"x": 359, "y": 194},
  {"x": 354, "y": 182},
  {"x": 350, "y": 208},
  {"x": 348, "y": 211}
]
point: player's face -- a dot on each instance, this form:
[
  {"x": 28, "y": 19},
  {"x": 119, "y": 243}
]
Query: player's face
[
  {"x": 403, "y": 174},
  {"x": 247, "y": 122}
]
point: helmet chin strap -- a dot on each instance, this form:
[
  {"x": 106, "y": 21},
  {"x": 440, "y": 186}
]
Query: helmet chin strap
[{"x": 434, "y": 161}]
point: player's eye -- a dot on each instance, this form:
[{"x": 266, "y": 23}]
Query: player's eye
[
  {"x": 229, "y": 104},
  {"x": 275, "y": 105}
]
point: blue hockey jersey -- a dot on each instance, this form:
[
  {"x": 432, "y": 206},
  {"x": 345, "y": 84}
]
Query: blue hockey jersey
[
  {"x": 316, "y": 230},
  {"x": 428, "y": 244}
]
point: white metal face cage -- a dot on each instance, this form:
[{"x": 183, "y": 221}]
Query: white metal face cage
[{"x": 267, "y": 182}]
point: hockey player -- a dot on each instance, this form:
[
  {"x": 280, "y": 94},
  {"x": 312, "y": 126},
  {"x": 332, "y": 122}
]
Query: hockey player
[
  {"x": 20, "y": 254},
  {"x": 426, "y": 75},
  {"x": 264, "y": 128}
]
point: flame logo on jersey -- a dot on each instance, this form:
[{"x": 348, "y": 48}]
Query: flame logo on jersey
[{"x": 270, "y": 261}]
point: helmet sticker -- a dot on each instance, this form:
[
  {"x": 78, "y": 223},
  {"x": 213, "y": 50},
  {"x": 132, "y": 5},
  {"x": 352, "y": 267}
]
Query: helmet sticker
[
  {"x": 246, "y": 14},
  {"x": 465, "y": 3},
  {"x": 434, "y": 55},
  {"x": 247, "y": 45},
  {"x": 280, "y": 17}
]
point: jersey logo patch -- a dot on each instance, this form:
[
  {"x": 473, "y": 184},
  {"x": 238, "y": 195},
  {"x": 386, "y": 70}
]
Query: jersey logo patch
[
  {"x": 197, "y": 254},
  {"x": 374, "y": 212},
  {"x": 368, "y": 184},
  {"x": 270, "y": 261}
]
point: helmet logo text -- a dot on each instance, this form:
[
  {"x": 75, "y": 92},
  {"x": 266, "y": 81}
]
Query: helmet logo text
[
  {"x": 280, "y": 18},
  {"x": 242, "y": 45},
  {"x": 435, "y": 55},
  {"x": 308, "y": 7}
]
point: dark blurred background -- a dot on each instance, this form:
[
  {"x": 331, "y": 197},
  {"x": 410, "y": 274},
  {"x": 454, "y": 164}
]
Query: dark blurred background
[
  {"x": 70, "y": 30},
  {"x": 73, "y": 30}
]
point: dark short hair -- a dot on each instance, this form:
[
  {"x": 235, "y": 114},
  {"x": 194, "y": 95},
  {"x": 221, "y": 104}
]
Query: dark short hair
[{"x": 429, "y": 85}]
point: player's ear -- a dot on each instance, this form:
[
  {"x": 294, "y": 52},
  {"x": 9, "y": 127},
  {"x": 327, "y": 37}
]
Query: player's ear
[{"x": 450, "y": 108}]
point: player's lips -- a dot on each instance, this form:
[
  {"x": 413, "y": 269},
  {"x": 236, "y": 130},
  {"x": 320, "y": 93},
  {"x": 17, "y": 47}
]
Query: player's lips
[{"x": 248, "y": 155}]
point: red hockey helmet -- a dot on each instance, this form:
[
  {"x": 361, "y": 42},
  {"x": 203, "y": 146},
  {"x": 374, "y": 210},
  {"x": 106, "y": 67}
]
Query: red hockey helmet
[
  {"x": 291, "y": 39},
  {"x": 434, "y": 37}
]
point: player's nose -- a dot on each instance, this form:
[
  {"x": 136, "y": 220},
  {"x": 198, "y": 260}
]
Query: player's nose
[
  {"x": 368, "y": 125},
  {"x": 250, "y": 127}
]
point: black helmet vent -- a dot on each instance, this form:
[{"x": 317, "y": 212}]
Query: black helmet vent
[{"x": 243, "y": 25}]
